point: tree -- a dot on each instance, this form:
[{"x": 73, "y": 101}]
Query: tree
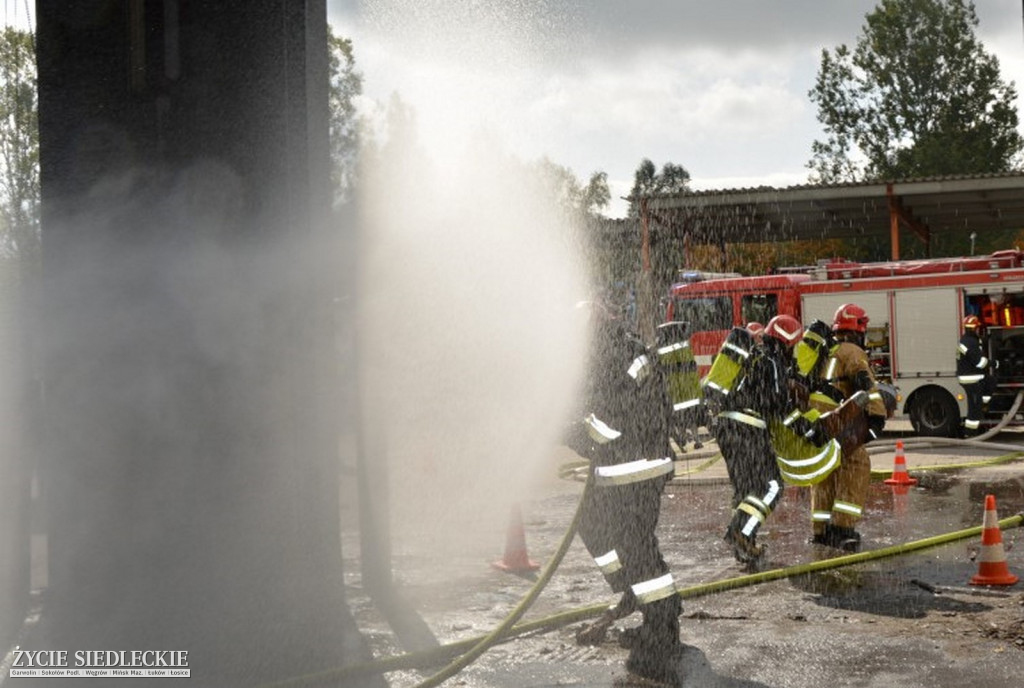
[
  {"x": 346, "y": 84},
  {"x": 584, "y": 201},
  {"x": 918, "y": 96},
  {"x": 647, "y": 181},
  {"x": 19, "y": 145}
]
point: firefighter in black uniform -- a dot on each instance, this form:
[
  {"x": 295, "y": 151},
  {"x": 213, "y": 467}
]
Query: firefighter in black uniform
[
  {"x": 759, "y": 394},
  {"x": 972, "y": 371},
  {"x": 625, "y": 434}
]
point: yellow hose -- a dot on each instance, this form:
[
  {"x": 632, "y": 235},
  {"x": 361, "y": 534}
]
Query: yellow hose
[
  {"x": 704, "y": 466},
  {"x": 476, "y": 646},
  {"x": 467, "y": 651},
  {"x": 879, "y": 473},
  {"x": 505, "y": 626}
]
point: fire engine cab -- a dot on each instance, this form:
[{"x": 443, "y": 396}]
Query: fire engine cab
[{"x": 915, "y": 307}]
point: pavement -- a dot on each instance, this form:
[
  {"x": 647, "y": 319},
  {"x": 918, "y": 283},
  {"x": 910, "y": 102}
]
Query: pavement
[{"x": 909, "y": 620}]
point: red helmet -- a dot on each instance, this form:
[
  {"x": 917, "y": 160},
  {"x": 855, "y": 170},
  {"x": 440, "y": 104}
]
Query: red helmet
[
  {"x": 785, "y": 328},
  {"x": 755, "y": 328},
  {"x": 850, "y": 317},
  {"x": 972, "y": 322}
]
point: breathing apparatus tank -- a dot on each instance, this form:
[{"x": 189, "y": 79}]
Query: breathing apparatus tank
[
  {"x": 727, "y": 368},
  {"x": 809, "y": 350},
  {"x": 677, "y": 360},
  {"x": 809, "y": 355}
]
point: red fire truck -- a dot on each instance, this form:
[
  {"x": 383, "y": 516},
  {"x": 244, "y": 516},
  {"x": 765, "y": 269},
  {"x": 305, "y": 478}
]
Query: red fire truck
[{"x": 916, "y": 309}]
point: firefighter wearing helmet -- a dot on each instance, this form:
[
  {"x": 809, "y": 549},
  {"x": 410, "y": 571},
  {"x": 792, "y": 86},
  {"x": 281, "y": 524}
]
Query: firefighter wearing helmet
[
  {"x": 756, "y": 397},
  {"x": 837, "y": 502},
  {"x": 623, "y": 430},
  {"x": 972, "y": 371}
]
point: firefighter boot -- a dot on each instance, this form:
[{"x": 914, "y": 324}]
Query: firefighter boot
[
  {"x": 629, "y": 637},
  {"x": 594, "y": 633},
  {"x": 656, "y": 654},
  {"x": 744, "y": 547},
  {"x": 845, "y": 539},
  {"x": 836, "y": 537}
]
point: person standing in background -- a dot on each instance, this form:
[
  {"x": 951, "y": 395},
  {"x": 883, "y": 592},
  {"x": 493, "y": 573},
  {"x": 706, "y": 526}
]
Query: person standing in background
[{"x": 972, "y": 371}]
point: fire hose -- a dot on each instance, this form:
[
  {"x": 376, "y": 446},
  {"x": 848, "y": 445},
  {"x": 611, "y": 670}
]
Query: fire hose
[
  {"x": 470, "y": 649},
  {"x": 466, "y": 651},
  {"x": 462, "y": 653},
  {"x": 981, "y": 440}
]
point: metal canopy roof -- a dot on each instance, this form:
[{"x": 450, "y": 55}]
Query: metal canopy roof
[{"x": 927, "y": 207}]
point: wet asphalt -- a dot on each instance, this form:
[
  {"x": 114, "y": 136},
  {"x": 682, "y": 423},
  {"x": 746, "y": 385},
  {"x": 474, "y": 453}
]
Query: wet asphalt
[{"x": 907, "y": 620}]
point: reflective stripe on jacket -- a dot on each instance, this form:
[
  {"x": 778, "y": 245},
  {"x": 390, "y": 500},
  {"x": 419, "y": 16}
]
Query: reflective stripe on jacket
[{"x": 633, "y": 471}]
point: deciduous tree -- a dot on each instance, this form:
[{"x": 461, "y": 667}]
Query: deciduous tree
[
  {"x": 917, "y": 96},
  {"x": 586, "y": 200},
  {"x": 648, "y": 181},
  {"x": 346, "y": 85},
  {"x": 19, "y": 145}
]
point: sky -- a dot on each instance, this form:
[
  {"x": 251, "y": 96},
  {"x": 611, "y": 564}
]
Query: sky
[{"x": 598, "y": 85}]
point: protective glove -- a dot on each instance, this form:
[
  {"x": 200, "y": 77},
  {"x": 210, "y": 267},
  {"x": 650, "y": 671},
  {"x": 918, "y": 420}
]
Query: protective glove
[
  {"x": 818, "y": 435},
  {"x": 875, "y": 426}
]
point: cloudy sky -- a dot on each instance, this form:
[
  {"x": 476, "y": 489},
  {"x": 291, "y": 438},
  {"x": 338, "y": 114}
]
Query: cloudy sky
[{"x": 597, "y": 85}]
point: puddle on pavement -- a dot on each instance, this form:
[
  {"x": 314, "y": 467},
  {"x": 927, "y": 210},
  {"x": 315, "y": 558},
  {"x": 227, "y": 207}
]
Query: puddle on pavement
[{"x": 694, "y": 519}]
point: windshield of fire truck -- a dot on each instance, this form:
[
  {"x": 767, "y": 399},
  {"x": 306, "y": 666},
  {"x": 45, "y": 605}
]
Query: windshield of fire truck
[
  {"x": 704, "y": 313},
  {"x": 758, "y": 308}
]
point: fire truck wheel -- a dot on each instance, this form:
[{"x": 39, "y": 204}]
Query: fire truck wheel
[{"x": 935, "y": 413}]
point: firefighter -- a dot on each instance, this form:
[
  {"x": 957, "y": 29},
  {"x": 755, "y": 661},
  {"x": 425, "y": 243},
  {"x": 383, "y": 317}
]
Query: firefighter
[
  {"x": 837, "y": 502},
  {"x": 756, "y": 397},
  {"x": 626, "y": 438},
  {"x": 972, "y": 371}
]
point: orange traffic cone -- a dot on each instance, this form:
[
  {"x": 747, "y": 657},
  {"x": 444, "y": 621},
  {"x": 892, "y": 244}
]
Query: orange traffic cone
[
  {"x": 899, "y": 471},
  {"x": 992, "y": 569},
  {"x": 515, "y": 560}
]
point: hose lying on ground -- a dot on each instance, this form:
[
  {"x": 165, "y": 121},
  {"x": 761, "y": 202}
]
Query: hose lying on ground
[
  {"x": 467, "y": 651},
  {"x": 979, "y": 440},
  {"x": 507, "y": 631},
  {"x": 502, "y": 630}
]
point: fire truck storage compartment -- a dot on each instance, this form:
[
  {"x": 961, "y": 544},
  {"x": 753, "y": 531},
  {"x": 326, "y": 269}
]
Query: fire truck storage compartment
[
  {"x": 876, "y": 304},
  {"x": 1002, "y": 312},
  {"x": 876, "y": 341},
  {"x": 925, "y": 341},
  {"x": 824, "y": 306}
]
